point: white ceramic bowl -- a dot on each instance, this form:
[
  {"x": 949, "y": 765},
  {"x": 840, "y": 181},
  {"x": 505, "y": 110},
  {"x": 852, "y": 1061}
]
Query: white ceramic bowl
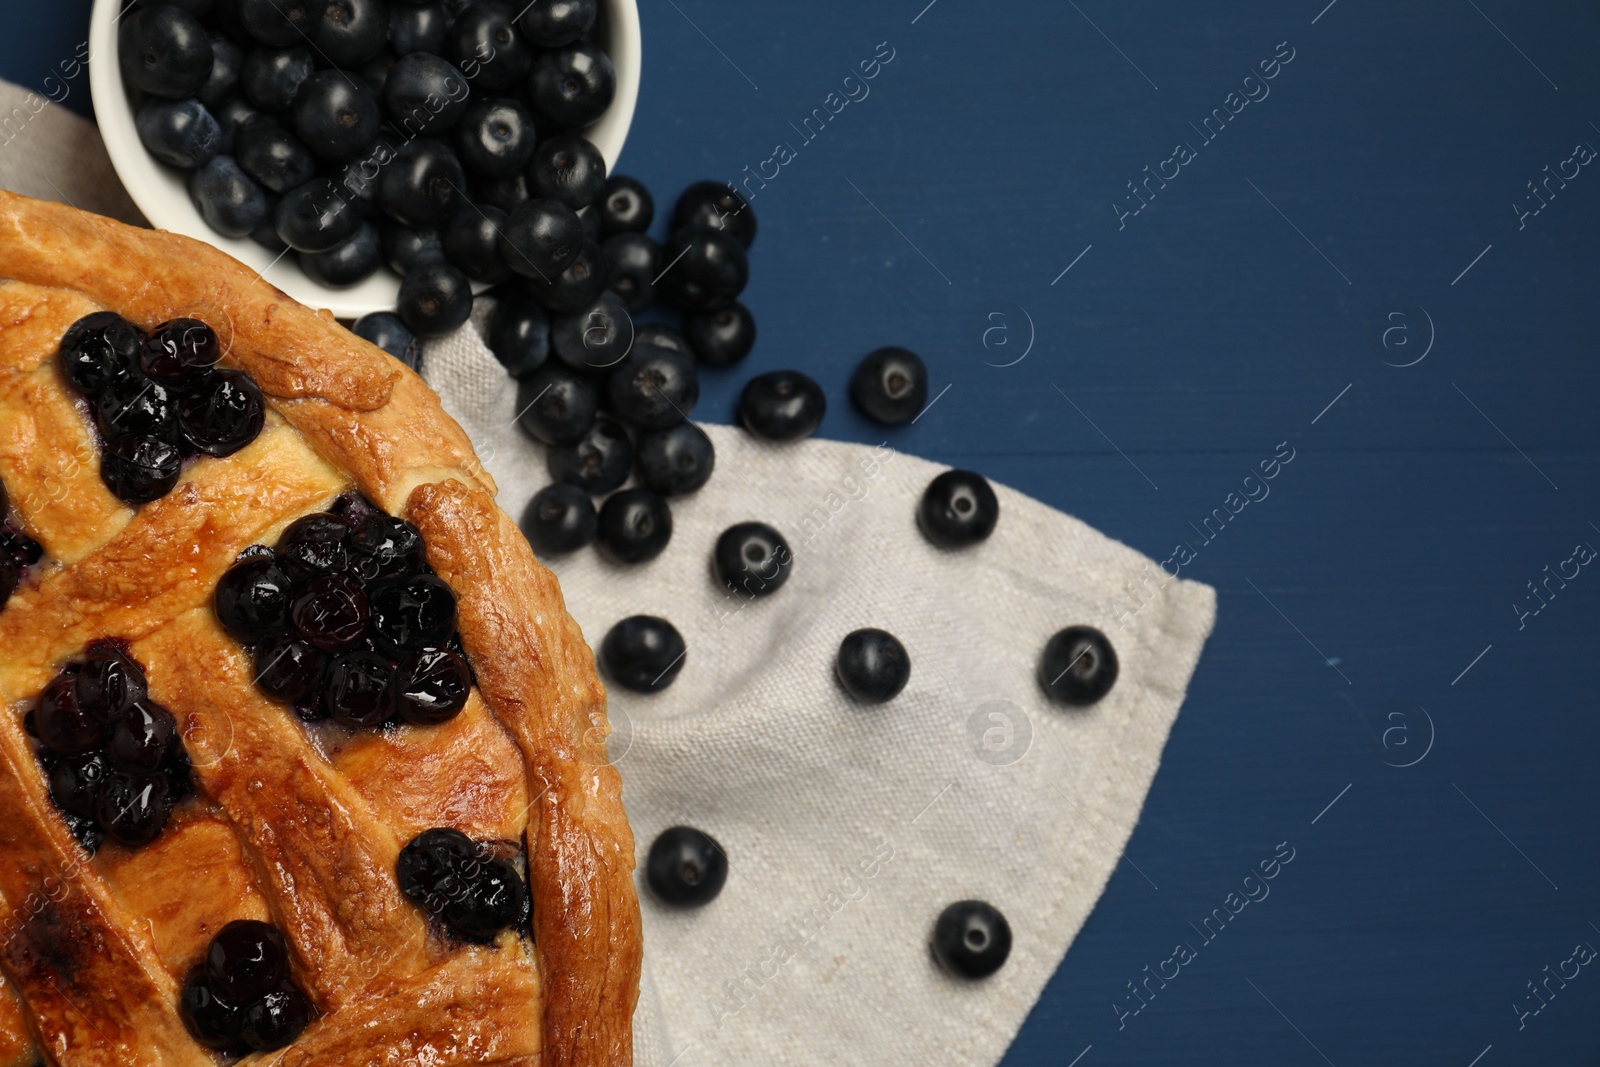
[{"x": 162, "y": 192}]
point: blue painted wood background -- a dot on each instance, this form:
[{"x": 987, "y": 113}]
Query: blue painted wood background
[{"x": 1349, "y": 258}]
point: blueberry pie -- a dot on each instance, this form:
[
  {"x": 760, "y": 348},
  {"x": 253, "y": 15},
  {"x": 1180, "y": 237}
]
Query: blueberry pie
[{"x": 302, "y": 760}]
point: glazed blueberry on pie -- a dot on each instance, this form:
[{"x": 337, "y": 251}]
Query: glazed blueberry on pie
[{"x": 303, "y": 757}]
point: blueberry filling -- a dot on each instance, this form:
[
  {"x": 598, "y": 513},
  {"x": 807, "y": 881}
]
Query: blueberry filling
[
  {"x": 157, "y": 401},
  {"x": 112, "y": 757},
  {"x": 344, "y": 620},
  {"x": 18, "y": 551},
  {"x": 463, "y": 884},
  {"x": 242, "y": 997}
]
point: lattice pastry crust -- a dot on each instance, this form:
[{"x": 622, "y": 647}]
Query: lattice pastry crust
[{"x": 292, "y": 826}]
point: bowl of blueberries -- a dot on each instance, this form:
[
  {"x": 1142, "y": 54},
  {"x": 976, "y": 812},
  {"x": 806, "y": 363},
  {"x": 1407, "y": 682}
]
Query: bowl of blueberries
[{"x": 350, "y": 150}]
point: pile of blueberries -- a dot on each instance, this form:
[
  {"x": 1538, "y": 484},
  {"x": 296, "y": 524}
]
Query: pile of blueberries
[
  {"x": 241, "y": 997},
  {"x": 434, "y": 135},
  {"x": 111, "y": 755},
  {"x": 158, "y": 400},
  {"x": 463, "y": 883},
  {"x": 347, "y": 621},
  {"x": 18, "y": 551}
]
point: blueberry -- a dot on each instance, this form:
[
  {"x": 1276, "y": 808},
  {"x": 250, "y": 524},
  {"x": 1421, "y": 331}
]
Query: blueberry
[
  {"x": 352, "y": 260},
  {"x": 314, "y": 545},
  {"x": 971, "y": 939},
  {"x": 560, "y": 519},
  {"x": 180, "y": 132},
  {"x": 872, "y": 666},
  {"x": 471, "y": 242},
  {"x": 8, "y": 579},
  {"x": 108, "y": 685},
  {"x": 336, "y": 116},
  {"x": 686, "y": 867},
  {"x": 625, "y": 206},
  {"x": 706, "y": 269},
  {"x": 222, "y": 82},
  {"x": 716, "y": 206},
  {"x": 553, "y": 23},
  {"x": 597, "y": 463},
  {"x": 595, "y": 339},
  {"x": 357, "y": 182},
  {"x": 247, "y": 959},
  {"x": 662, "y": 336},
  {"x": 519, "y": 333},
  {"x": 541, "y": 239},
  {"x": 573, "y": 85},
  {"x": 133, "y": 808},
  {"x": 289, "y": 670},
  {"x": 424, "y": 186},
  {"x": 274, "y": 1021},
  {"x": 569, "y": 169},
  {"x": 635, "y": 526},
  {"x": 752, "y": 559},
  {"x": 136, "y": 407},
  {"x": 138, "y": 470},
  {"x": 266, "y": 234},
  {"x": 577, "y": 286},
  {"x": 375, "y": 71},
  {"x": 425, "y": 94},
  {"x": 313, "y": 217},
  {"x": 384, "y": 329},
  {"x": 413, "y": 615},
  {"x": 221, "y": 414},
  {"x": 418, "y": 29},
  {"x": 22, "y": 550},
  {"x": 495, "y": 137},
  {"x": 212, "y": 1021},
  {"x": 435, "y": 866},
  {"x": 227, "y": 198},
  {"x": 632, "y": 262},
  {"x": 958, "y": 509},
  {"x": 642, "y": 653},
  {"x": 232, "y": 115},
  {"x": 434, "y": 299},
  {"x": 485, "y": 44},
  {"x": 356, "y": 691},
  {"x": 273, "y": 156},
  {"x": 142, "y": 739},
  {"x": 281, "y": 22},
  {"x": 351, "y": 32},
  {"x": 406, "y": 248},
  {"x": 431, "y": 687},
  {"x": 331, "y": 613},
  {"x": 385, "y": 549},
  {"x": 782, "y": 405},
  {"x": 557, "y": 406},
  {"x": 75, "y": 783},
  {"x": 721, "y": 338},
  {"x": 164, "y": 51},
  {"x": 179, "y": 352},
  {"x": 890, "y": 386},
  {"x": 272, "y": 76},
  {"x": 653, "y": 388},
  {"x": 676, "y": 460},
  {"x": 507, "y": 193},
  {"x": 252, "y": 600},
  {"x": 98, "y": 351},
  {"x": 493, "y": 901},
  {"x": 1078, "y": 666}
]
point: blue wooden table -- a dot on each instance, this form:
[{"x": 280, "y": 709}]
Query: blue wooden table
[{"x": 1147, "y": 247}]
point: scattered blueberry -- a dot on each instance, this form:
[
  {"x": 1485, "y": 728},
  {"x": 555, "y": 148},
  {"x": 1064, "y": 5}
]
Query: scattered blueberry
[
  {"x": 406, "y": 248},
  {"x": 578, "y": 285},
  {"x": 633, "y": 260},
  {"x": 676, "y": 460},
  {"x": 227, "y": 198},
  {"x": 653, "y": 388},
  {"x": 557, "y": 406},
  {"x": 164, "y": 51},
  {"x": 180, "y": 132},
  {"x": 625, "y": 206},
  {"x": 642, "y": 653},
  {"x": 686, "y": 867},
  {"x": 706, "y": 269},
  {"x": 715, "y": 206},
  {"x": 635, "y": 526},
  {"x": 890, "y": 386},
  {"x": 873, "y": 666},
  {"x": 519, "y": 333},
  {"x": 598, "y": 463},
  {"x": 660, "y": 335},
  {"x": 573, "y": 85},
  {"x": 471, "y": 242},
  {"x": 958, "y": 509},
  {"x": 384, "y": 329},
  {"x": 723, "y": 337},
  {"x": 569, "y": 169},
  {"x": 541, "y": 239},
  {"x": 596, "y": 338},
  {"x": 971, "y": 939},
  {"x": 434, "y": 299},
  {"x": 560, "y": 519},
  {"x": 1078, "y": 666},
  {"x": 782, "y": 405},
  {"x": 752, "y": 559}
]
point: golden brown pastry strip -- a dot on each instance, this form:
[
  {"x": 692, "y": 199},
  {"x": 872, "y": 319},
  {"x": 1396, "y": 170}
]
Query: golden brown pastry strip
[
  {"x": 94, "y": 987},
  {"x": 538, "y": 676}
]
